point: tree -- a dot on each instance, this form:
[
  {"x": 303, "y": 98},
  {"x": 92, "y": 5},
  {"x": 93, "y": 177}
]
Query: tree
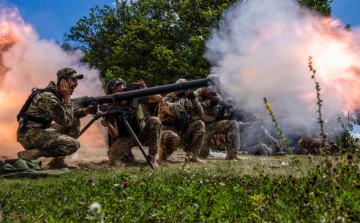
[
  {"x": 322, "y": 6},
  {"x": 155, "y": 40}
]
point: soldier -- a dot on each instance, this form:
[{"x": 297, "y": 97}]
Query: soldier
[
  {"x": 215, "y": 117},
  {"x": 260, "y": 142},
  {"x": 312, "y": 143},
  {"x": 35, "y": 132},
  {"x": 179, "y": 112},
  {"x": 148, "y": 134}
]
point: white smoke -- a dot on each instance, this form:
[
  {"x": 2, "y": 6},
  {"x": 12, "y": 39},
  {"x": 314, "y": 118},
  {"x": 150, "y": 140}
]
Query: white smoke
[
  {"x": 34, "y": 63},
  {"x": 261, "y": 50}
]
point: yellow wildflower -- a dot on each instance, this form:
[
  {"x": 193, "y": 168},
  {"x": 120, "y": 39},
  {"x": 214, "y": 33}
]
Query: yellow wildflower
[{"x": 268, "y": 106}]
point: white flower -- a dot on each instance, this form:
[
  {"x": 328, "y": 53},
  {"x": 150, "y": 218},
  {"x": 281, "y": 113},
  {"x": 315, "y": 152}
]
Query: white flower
[{"x": 95, "y": 208}]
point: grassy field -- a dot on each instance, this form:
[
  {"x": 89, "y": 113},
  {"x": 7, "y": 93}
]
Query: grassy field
[{"x": 257, "y": 189}]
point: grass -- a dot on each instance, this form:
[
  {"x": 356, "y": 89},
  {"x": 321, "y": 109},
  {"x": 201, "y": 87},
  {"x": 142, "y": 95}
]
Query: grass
[{"x": 253, "y": 190}]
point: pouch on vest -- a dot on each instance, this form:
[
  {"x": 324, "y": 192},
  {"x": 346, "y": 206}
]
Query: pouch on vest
[{"x": 181, "y": 121}]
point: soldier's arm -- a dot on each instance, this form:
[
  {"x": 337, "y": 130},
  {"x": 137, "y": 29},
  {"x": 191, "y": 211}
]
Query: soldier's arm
[
  {"x": 197, "y": 108},
  {"x": 173, "y": 108},
  {"x": 61, "y": 113},
  {"x": 113, "y": 130},
  {"x": 79, "y": 113}
]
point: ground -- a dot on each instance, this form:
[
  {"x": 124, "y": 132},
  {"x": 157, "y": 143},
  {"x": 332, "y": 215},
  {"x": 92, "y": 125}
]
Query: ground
[{"x": 255, "y": 189}]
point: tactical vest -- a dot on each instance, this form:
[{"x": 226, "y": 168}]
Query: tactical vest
[{"x": 26, "y": 118}]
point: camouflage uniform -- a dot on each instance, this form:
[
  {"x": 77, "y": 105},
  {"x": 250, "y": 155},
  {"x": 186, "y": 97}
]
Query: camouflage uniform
[
  {"x": 260, "y": 142},
  {"x": 229, "y": 128},
  {"x": 169, "y": 107},
  {"x": 149, "y": 135},
  {"x": 311, "y": 144},
  {"x": 60, "y": 138}
]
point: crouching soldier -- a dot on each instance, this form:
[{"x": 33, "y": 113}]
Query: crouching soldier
[
  {"x": 259, "y": 142},
  {"x": 177, "y": 111},
  {"x": 37, "y": 135},
  {"x": 147, "y": 132},
  {"x": 217, "y": 122}
]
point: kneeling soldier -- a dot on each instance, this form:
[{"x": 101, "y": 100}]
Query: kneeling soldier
[
  {"x": 148, "y": 133},
  {"x": 35, "y": 132},
  {"x": 176, "y": 111},
  {"x": 216, "y": 122}
]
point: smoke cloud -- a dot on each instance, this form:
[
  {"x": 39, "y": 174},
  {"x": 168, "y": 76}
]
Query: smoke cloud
[
  {"x": 262, "y": 48},
  {"x": 26, "y": 62}
]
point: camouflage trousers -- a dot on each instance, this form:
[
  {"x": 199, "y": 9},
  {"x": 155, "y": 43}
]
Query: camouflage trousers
[
  {"x": 191, "y": 139},
  {"x": 149, "y": 135},
  {"x": 54, "y": 141},
  {"x": 226, "y": 127}
]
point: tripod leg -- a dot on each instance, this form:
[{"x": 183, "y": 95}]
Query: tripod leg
[
  {"x": 96, "y": 117},
  {"x": 138, "y": 143}
]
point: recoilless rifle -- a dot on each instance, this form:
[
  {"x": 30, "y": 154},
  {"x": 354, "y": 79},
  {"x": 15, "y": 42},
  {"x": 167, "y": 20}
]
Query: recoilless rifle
[{"x": 110, "y": 105}]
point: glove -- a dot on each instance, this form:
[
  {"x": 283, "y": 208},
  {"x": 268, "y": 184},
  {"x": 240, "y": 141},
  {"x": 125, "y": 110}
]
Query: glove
[
  {"x": 191, "y": 95},
  {"x": 181, "y": 94},
  {"x": 214, "y": 102}
]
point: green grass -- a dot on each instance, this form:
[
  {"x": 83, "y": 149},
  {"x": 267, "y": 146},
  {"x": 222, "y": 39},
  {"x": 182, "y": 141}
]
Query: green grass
[{"x": 219, "y": 191}]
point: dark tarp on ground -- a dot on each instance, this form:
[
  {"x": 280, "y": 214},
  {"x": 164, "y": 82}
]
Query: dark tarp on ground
[{"x": 24, "y": 168}]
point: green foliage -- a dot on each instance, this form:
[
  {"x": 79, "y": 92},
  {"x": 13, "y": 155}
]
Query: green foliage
[
  {"x": 284, "y": 141},
  {"x": 249, "y": 191},
  {"x": 319, "y": 103},
  {"x": 158, "y": 41},
  {"x": 322, "y": 6},
  {"x": 155, "y": 40}
]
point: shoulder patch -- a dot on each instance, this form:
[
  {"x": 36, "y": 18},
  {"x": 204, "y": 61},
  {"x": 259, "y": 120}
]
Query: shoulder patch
[{"x": 59, "y": 111}]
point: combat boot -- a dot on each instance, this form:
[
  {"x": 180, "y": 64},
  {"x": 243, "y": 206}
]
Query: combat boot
[
  {"x": 232, "y": 157},
  {"x": 59, "y": 163},
  {"x": 193, "y": 158},
  {"x": 153, "y": 160},
  {"x": 31, "y": 154}
]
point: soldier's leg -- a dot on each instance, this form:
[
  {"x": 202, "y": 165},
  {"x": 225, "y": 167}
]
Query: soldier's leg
[
  {"x": 193, "y": 138},
  {"x": 150, "y": 135},
  {"x": 72, "y": 131},
  {"x": 168, "y": 144},
  {"x": 120, "y": 150},
  {"x": 207, "y": 142},
  {"x": 231, "y": 129},
  {"x": 259, "y": 149}
]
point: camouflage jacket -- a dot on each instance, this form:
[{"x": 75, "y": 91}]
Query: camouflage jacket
[
  {"x": 215, "y": 111},
  {"x": 171, "y": 105},
  {"x": 47, "y": 106}
]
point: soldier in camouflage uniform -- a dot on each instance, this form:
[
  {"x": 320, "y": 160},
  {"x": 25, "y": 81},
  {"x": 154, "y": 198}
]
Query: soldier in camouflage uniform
[
  {"x": 311, "y": 142},
  {"x": 58, "y": 140},
  {"x": 260, "y": 142},
  {"x": 216, "y": 119},
  {"x": 149, "y": 134},
  {"x": 179, "y": 112}
]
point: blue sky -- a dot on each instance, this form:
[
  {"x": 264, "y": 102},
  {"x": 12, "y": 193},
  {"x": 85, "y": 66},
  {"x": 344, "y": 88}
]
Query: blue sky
[{"x": 52, "y": 18}]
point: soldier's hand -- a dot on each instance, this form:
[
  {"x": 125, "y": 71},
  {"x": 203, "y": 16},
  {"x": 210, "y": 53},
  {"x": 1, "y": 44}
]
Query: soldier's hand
[
  {"x": 87, "y": 110},
  {"x": 105, "y": 122},
  {"x": 141, "y": 84},
  {"x": 65, "y": 90},
  {"x": 181, "y": 94},
  {"x": 214, "y": 102},
  {"x": 191, "y": 95}
]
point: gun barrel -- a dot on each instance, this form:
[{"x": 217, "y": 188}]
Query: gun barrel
[{"x": 86, "y": 100}]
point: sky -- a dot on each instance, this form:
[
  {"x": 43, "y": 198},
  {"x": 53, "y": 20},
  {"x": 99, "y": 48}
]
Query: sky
[{"x": 52, "y": 18}]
